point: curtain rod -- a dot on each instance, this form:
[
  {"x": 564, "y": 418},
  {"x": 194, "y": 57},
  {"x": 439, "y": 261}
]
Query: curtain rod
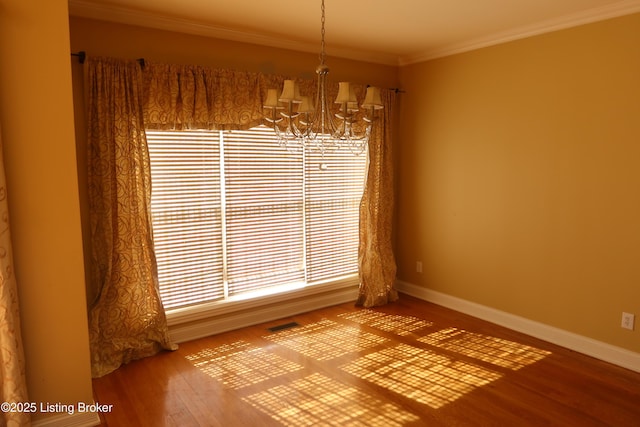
[
  {"x": 395, "y": 89},
  {"x": 82, "y": 56}
]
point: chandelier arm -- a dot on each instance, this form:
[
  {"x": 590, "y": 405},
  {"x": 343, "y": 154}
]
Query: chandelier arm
[{"x": 273, "y": 118}]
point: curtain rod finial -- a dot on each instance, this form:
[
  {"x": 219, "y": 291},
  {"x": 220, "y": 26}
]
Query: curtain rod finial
[{"x": 82, "y": 55}]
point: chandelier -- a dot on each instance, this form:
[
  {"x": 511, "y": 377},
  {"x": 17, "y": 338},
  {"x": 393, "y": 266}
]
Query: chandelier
[{"x": 301, "y": 121}]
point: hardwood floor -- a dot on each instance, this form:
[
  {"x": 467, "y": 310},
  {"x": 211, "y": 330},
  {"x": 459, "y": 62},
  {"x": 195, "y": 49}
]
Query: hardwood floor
[{"x": 410, "y": 363}]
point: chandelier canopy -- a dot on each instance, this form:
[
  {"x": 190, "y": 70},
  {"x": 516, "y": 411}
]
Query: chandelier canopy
[{"x": 302, "y": 121}]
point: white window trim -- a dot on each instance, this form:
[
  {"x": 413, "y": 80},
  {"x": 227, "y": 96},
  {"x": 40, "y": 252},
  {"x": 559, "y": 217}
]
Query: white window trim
[
  {"x": 199, "y": 321},
  {"x": 261, "y": 305}
]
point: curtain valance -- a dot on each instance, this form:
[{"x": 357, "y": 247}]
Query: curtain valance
[
  {"x": 195, "y": 97},
  {"x": 182, "y": 97}
]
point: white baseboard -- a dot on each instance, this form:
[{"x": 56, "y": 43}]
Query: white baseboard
[
  {"x": 228, "y": 321},
  {"x": 83, "y": 419},
  {"x": 598, "y": 349}
]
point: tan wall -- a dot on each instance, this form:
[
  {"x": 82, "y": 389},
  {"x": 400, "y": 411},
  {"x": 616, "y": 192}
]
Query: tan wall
[
  {"x": 519, "y": 185},
  {"x": 36, "y": 114}
]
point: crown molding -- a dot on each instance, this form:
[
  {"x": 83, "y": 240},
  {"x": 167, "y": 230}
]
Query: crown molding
[
  {"x": 622, "y": 8},
  {"x": 89, "y": 9},
  {"x": 103, "y": 12}
]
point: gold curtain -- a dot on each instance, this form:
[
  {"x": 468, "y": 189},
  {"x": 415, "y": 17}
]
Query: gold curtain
[
  {"x": 127, "y": 320},
  {"x": 377, "y": 265},
  {"x": 194, "y": 97},
  {"x": 12, "y": 367}
]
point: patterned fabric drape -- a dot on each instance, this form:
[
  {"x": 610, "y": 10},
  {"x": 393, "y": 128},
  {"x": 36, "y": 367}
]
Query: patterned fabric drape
[
  {"x": 127, "y": 320},
  {"x": 377, "y": 265},
  {"x": 194, "y": 97},
  {"x": 12, "y": 368}
]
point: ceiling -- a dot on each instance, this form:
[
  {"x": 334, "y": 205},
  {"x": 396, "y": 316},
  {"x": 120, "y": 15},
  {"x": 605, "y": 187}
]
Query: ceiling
[{"x": 393, "y": 32}]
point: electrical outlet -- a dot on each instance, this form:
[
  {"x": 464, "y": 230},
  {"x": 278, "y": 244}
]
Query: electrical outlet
[
  {"x": 628, "y": 320},
  {"x": 418, "y": 266}
]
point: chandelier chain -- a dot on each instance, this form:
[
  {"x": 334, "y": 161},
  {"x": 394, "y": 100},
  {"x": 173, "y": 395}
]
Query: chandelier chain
[{"x": 322, "y": 32}]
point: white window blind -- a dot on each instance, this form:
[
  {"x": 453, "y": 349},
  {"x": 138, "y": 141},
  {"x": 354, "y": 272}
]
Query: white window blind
[
  {"x": 264, "y": 211},
  {"x": 186, "y": 214},
  {"x": 332, "y": 198},
  {"x": 233, "y": 212}
]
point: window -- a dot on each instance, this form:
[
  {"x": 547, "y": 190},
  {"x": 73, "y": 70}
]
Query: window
[{"x": 234, "y": 213}]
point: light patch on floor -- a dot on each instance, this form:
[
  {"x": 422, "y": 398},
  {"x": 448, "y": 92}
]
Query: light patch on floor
[
  {"x": 241, "y": 364},
  {"x": 393, "y": 323},
  {"x": 420, "y": 374},
  {"x": 317, "y": 400},
  {"x": 326, "y": 339},
  {"x": 497, "y": 351}
]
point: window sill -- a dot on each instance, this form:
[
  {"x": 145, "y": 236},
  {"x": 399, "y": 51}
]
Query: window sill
[{"x": 195, "y": 322}]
